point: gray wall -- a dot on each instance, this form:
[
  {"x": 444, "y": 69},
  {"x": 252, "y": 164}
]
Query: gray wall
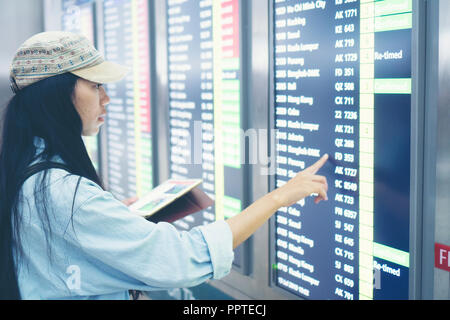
[
  {"x": 19, "y": 19},
  {"x": 436, "y": 217},
  {"x": 442, "y": 218}
]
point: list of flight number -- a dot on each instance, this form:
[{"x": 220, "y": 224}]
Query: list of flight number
[{"x": 345, "y": 154}]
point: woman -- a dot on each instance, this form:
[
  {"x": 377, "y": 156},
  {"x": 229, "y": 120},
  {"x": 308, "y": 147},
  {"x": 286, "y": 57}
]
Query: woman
[{"x": 62, "y": 235}]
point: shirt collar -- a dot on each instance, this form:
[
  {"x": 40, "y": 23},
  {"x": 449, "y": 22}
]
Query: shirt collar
[{"x": 39, "y": 143}]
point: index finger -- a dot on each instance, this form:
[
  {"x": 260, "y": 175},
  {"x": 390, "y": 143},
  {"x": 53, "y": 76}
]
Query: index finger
[{"x": 316, "y": 166}]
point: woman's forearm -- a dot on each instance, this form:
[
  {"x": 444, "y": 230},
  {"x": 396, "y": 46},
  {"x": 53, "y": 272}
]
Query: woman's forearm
[
  {"x": 248, "y": 221},
  {"x": 302, "y": 185}
]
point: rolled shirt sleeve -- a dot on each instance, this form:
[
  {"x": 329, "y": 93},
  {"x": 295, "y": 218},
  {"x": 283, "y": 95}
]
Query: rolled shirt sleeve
[
  {"x": 219, "y": 238},
  {"x": 115, "y": 249}
]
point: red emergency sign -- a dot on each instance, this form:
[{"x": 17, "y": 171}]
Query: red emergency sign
[{"x": 442, "y": 256}]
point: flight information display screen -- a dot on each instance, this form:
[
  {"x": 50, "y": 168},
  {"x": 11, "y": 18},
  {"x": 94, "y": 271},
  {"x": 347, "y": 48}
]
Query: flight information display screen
[
  {"x": 342, "y": 81},
  {"x": 128, "y": 123},
  {"x": 204, "y": 103},
  {"x": 78, "y": 17}
]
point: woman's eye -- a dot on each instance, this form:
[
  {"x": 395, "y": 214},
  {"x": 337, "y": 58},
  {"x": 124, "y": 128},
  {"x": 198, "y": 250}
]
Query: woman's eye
[{"x": 98, "y": 85}]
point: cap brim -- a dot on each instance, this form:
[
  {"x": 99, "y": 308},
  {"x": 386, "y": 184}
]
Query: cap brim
[{"x": 105, "y": 72}]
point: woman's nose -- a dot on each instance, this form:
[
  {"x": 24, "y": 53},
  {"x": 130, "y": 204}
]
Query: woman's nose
[{"x": 104, "y": 98}]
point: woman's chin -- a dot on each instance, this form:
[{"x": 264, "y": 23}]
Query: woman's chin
[{"x": 91, "y": 133}]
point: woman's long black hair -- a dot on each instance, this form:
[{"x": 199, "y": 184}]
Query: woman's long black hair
[{"x": 44, "y": 109}]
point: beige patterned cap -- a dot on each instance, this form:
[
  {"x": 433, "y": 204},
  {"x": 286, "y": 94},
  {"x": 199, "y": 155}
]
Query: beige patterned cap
[{"x": 52, "y": 53}]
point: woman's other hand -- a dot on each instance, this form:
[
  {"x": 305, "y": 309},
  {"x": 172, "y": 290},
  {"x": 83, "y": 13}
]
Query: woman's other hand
[{"x": 130, "y": 201}]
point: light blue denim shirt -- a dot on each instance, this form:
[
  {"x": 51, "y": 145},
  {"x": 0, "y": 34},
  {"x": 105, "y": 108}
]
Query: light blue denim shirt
[{"x": 106, "y": 249}]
